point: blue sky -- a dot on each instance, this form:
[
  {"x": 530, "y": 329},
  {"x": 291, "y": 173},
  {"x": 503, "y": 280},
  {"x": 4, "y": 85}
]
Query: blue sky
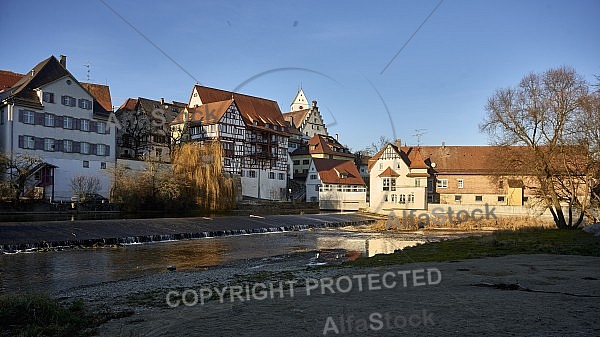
[{"x": 336, "y": 50}]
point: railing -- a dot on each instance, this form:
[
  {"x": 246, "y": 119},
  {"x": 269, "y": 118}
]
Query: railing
[{"x": 342, "y": 189}]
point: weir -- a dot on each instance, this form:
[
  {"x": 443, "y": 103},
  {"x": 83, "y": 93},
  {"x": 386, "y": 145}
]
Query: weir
[{"x": 97, "y": 233}]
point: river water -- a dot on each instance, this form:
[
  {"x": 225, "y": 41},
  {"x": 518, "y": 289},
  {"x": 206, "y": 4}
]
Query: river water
[{"x": 55, "y": 271}]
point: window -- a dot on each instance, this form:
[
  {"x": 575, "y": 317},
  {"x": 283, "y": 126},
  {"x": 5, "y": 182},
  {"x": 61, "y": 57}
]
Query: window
[
  {"x": 501, "y": 184},
  {"x": 306, "y": 162},
  {"x": 411, "y": 198},
  {"x": 86, "y": 164},
  {"x": 313, "y": 176},
  {"x": 296, "y": 162},
  {"x": 48, "y": 97},
  {"x": 457, "y": 197},
  {"x": 101, "y": 127},
  {"x": 442, "y": 183},
  {"x": 317, "y": 188},
  {"x": 85, "y": 148},
  {"x": 281, "y": 176},
  {"x": 85, "y": 104},
  {"x": 28, "y": 142},
  {"x": 402, "y": 199},
  {"x": 48, "y": 120},
  {"x": 500, "y": 198},
  {"x": 525, "y": 199},
  {"x": 479, "y": 198},
  {"x": 271, "y": 175},
  {"x": 394, "y": 198},
  {"x": 429, "y": 185},
  {"x": 381, "y": 166},
  {"x": 67, "y": 122},
  {"x": 252, "y": 174},
  {"x": 84, "y": 125},
  {"x": 48, "y": 144},
  {"x": 28, "y": 117},
  {"x": 461, "y": 183},
  {"x": 417, "y": 182},
  {"x": 386, "y": 184},
  {"x": 68, "y": 101},
  {"x": 67, "y": 145},
  {"x": 103, "y": 165},
  {"x": 101, "y": 149}
]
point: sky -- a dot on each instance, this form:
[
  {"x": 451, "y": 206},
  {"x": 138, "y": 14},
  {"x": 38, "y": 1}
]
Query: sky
[{"x": 380, "y": 68}]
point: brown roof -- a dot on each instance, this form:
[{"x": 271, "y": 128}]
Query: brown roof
[
  {"x": 8, "y": 79},
  {"x": 462, "y": 159},
  {"x": 330, "y": 169},
  {"x": 129, "y": 104},
  {"x": 297, "y": 117},
  {"x": 209, "y": 113},
  {"x": 101, "y": 93},
  {"x": 321, "y": 144},
  {"x": 252, "y": 109},
  {"x": 388, "y": 172}
]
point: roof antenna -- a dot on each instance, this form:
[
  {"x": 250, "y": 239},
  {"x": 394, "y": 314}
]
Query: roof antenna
[
  {"x": 88, "y": 71},
  {"x": 419, "y": 133}
]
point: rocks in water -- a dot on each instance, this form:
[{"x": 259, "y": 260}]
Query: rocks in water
[{"x": 171, "y": 267}]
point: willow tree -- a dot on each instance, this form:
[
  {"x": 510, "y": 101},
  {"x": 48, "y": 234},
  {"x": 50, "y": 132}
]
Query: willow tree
[
  {"x": 543, "y": 115},
  {"x": 200, "y": 165}
]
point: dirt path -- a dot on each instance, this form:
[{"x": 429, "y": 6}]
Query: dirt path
[{"x": 529, "y": 295}]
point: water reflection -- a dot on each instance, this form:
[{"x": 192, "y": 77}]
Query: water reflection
[{"x": 55, "y": 271}]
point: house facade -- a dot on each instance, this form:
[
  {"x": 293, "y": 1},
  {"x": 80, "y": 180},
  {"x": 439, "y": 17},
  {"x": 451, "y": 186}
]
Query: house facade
[
  {"x": 144, "y": 131},
  {"x": 319, "y": 146},
  {"x": 305, "y": 119},
  {"x": 398, "y": 180},
  {"x": 50, "y": 115},
  {"x": 259, "y": 149},
  {"x": 336, "y": 185}
]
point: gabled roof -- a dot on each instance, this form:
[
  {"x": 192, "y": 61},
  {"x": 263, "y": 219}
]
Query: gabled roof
[
  {"x": 330, "y": 169},
  {"x": 171, "y": 110},
  {"x": 129, "y": 104},
  {"x": 462, "y": 159},
  {"x": 8, "y": 79},
  {"x": 388, "y": 172},
  {"x": 321, "y": 144},
  {"x": 297, "y": 117},
  {"x": 101, "y": 93},
  {"x": 209, "y": 113},
  {"x": 252, "y": 109}
]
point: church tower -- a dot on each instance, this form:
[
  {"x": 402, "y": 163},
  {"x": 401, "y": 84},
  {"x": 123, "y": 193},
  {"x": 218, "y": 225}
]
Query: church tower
[{"x": 300, "y": 102}]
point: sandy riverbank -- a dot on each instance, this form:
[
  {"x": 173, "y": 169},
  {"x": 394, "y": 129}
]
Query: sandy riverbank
[{"x": 556, "y": 296}]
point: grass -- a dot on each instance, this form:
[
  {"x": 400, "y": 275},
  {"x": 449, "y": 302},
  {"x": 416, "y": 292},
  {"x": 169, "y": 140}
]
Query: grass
[
  {"x": 499, "y": 243},
  {"x": 33, "y": 315}
]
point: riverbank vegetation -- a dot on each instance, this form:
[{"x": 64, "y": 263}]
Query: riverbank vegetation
[{"x": 499, "y": 243}]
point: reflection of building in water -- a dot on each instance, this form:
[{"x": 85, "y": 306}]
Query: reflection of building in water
[{"x": 367, "y": 246}]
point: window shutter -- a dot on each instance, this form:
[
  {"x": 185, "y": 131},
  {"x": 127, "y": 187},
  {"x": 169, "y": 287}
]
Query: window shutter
[
  {"x": 93, "y": 148},
  {"x": 76, "y": 124},
  {"x": 107, "y": 150},
  {"x": 21, "y": 116},
  {"x": 21, "y": 141},
  {"x": 39, "y": 118},
  {"x": 93, "y": 126},
  {"x": 58, "y": 121},
  {"x": 38, "y": 143},
  {"x": 58, "y": 145},
  {"x": 108, "y": 128},
  {"x": 76, "y": 147},
  {"x": 73, "y": 101},
  {"x": 81, "y": 103}
]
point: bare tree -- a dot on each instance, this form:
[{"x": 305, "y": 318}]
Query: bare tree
[
  {"x": 541, "y": 115},
  {"x": 16, "y": 172},
  {"x": 84, "y": 186}
]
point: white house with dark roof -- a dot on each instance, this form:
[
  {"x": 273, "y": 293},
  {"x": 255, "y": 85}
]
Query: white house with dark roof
[
  {"x": 336, "y": 185},
  {"x": 50, "y": 115}
]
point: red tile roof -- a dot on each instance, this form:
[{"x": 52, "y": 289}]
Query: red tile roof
[
  {"x": 320, "y": 144},
  {"x": 129, "y": 104},
  {"x": 388, "y": 172},
  {"x": 330, "y": 170},
  {"x": 209, "y": 113},
  {"x": 101, "y": 93},
  {"x": 8, "y": 79},
  {"x": 252, "y": 109},
  {"x": 297, "y": 117}
]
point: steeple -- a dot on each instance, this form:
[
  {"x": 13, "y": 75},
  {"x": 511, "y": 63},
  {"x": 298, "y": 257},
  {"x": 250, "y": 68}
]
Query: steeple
[{"x": 300, "y": 102}]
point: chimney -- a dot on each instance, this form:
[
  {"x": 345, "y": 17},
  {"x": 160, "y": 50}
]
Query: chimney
[
  {"x": 398, "y": 143},
  {"x": 63, "y": 61},
  {"x": 443, "y": 144},
  {"x": 337, "y": 137},
  {"x": 162, "y": 101}
]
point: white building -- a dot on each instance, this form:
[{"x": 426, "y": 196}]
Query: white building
[
  {"x": 335, "y": 184},
  {"x": 398, "y": 180},
  {"x": 305, "y": 119},
  {"x": 50, "y": 115}
]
